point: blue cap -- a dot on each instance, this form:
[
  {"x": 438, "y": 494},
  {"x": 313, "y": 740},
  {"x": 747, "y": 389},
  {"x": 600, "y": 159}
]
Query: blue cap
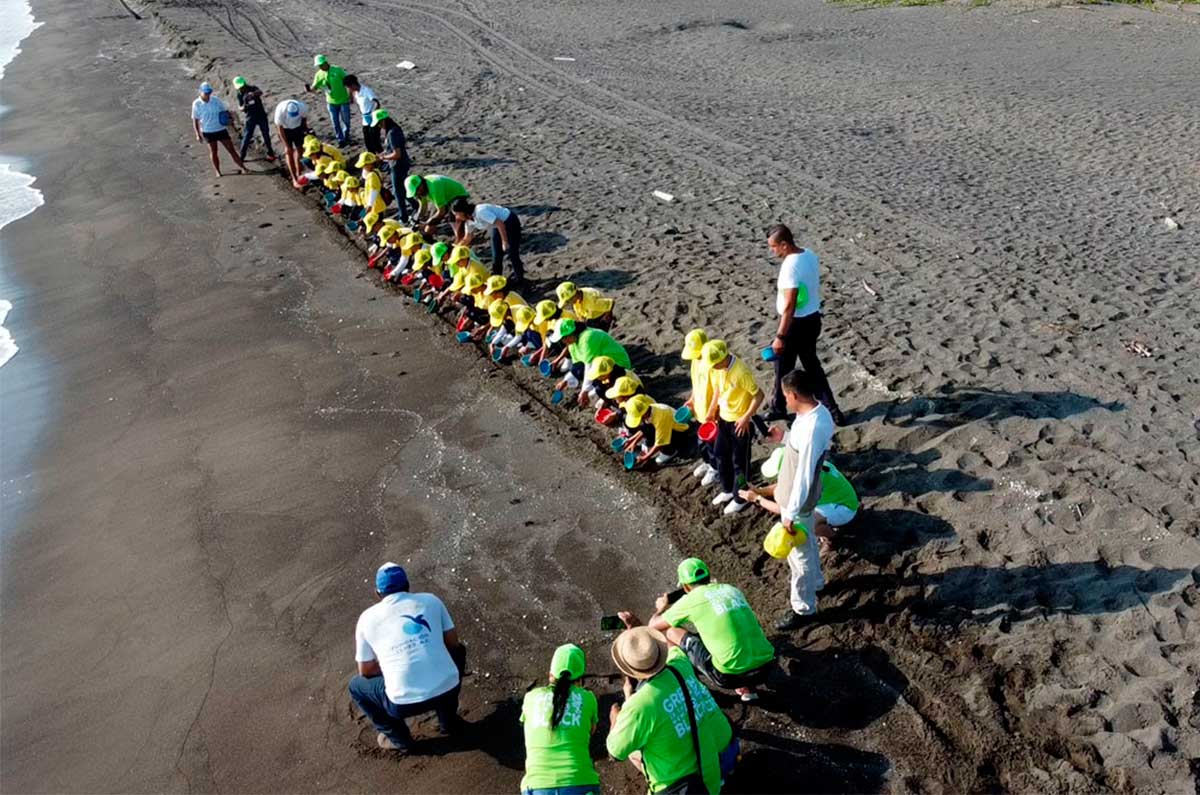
[
  {"x": 206, "y": 87},
  {"x": 390, "y": 579},
  {"x": 293, "y": 108}
]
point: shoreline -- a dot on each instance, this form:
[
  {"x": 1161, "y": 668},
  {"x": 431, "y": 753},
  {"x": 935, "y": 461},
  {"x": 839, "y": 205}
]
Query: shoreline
[{"x": 905, "y": 663}]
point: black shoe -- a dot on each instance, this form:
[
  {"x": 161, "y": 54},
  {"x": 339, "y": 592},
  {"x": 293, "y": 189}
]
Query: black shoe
[{"x": 793, "y": 621}]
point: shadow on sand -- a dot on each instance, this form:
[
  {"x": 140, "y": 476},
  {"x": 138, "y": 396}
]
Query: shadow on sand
[{"x": 959, "y": 405}]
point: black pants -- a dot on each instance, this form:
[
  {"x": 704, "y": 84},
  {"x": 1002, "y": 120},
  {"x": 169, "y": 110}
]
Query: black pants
[
  {"x": 733, "y": 457},
  {"x": 513, "y": 227},
  {"x": 801, "y": 343},
  {"x": 256, "y": 123},
  {"x": 372, "y": 139}
]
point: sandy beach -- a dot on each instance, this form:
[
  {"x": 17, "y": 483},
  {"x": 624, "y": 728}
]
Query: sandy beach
[{"x": 225, "y": 427}]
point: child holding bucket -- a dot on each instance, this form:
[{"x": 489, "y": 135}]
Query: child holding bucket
[
  {"x": 654, "y": 429},
  {"x": 598, "y": 376},
  {"x": 503, "y": 329},
  {"x": 701, "y": 396}
]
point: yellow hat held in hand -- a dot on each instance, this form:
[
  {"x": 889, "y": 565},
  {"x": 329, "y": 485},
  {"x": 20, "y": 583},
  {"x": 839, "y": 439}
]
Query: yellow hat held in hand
[
  {"x": 714, "y": 352},
  {"x": 422, "y": 260},
  {"x": 565, "y": 292},
  {"x": 623, "y": 387},
  {"x": 522, "y": 316},
  {"x": 497, "y": 312},
  {"x": 599, "y": 367},
  {"x": 636, "y": 409},
  {"x": 495, "y": 284},
  {"x": 544, "y": 311},
  {"x": 693, "y": 343}
]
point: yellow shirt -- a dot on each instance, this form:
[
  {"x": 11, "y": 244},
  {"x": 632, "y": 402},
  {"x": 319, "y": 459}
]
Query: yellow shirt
[
  {"x": 590, "y": 304},
  {"x": 701, "y": 387},
  {"x": 481, "y": 301},
  {"x": 333, "y": 152},
  {"x": 663, "y": 419},
  {"x": 736, "y": 387},
  {"x": 515, "y": 300},
  {"x": 372, "y": 183}
]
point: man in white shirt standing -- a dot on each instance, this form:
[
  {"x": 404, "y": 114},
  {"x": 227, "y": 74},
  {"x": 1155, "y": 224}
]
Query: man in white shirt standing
[
  {"x": 367, "y": 103},
  {"x": 409, "y": 660},
  {"x": 210, "y": 117},
  {"x": 504, "y": 228},
  {"x": 291, "y": 123},
  {"x": 799, "y": 305},
  {"x": 799, "y": 489}
]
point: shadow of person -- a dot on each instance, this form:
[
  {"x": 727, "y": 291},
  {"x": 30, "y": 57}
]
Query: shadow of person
[
  {"x": 959, "y": 405},
  {"x": 498, "y": 734},
  {"x": 671, "y": 381},
  {"x": 980, "y": 595},
  {"x": 602, "y": 279},
  {"x": 877, "y": 472},
  {"x": 879, "y": 536},
  {"x": 542, "y": 242},
  {"x": 533, "y": 210},
  {"x": 473, "y": 162},
  {"x": 772, "y": 764}
]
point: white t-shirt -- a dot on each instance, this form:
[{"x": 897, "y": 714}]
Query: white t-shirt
[
  {"x": 800, "y": 271},
  {"x": 488, "y": 214},
  {"x": 404, "y": 633},
  {"x": 208, "y": 114},
  {"x": 809, "y": 438},
  {"x": 366, "y": 103},
  {"x": 289, "y": 113}
]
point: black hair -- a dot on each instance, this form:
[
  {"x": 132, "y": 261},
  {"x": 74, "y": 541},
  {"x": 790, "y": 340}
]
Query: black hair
[
  {"x": 700, "y": 580},
  {"x": 351, "y": 80},
  {"x": 562, "y": 691},
  {"x": 462, "y": 205},
  {"x": 782, "y": 234},
  {"x": 798, "y": 382}
]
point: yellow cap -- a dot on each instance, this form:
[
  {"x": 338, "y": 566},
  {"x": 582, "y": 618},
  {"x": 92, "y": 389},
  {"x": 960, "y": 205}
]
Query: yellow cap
[
  {"x": 422, "y": 259},
  {"x": 636, "y": 409},
  {"x": 624, "y": 386},
  {"x": 693, "y": 342},
  {"x": 565, "y": 292},
  {"x": 311, "y": 146},
  {"x": 369, "y": 221},
  {"x": 460, "y": 278},
  {"x": 522, "y": 316},
  {"x": 495, "y": 284},
  {"x": 337, "y": 177},
  {"x": 599, "y": 367},
  {"x": 365, "y": 159},
  {"x": 714, "y": 352},
  {"x": 474, "y": 282},
  {"x": 459, "y": 254},
  {"x": 544, "y": 311},
  {"x": 411, "y": 243},
  {"x": 497, "y": 311}
]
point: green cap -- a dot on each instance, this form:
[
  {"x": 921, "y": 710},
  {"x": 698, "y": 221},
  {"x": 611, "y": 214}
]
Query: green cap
[
  {"x": 439, "y": 250},
  {"x": 565, "y": 328},
  {"x": 568, "y": 659},
  {"x": 691, "y": 570},
  {"x": 320, "y": 60},
  {"x": 411, "y": 183},
  {"x": 379, "y": 116},
  {"x": 239, "y": 81}
]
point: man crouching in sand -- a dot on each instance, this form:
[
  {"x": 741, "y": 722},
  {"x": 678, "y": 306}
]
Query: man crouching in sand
[{"x": 409, "y": 660}]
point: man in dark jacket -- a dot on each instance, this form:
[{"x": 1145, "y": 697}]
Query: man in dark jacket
[{"x": 250, "y": 100}]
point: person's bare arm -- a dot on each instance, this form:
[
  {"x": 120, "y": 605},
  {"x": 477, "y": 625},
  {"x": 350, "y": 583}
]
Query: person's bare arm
[
  {"x": 196, "y": 126},
  {"x": 742, "y": 426},
  {"x": 369, "y": 669},
  {"x": 503, "y": 235},
  {"x": 657, "y": 621},
  {"x": 450, "y": 637},
  {"x": 713, "y": 405},
  {"x": 785, "y": 319}
]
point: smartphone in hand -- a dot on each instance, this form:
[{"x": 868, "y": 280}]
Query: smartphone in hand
[{"x": 611, "y": 623}]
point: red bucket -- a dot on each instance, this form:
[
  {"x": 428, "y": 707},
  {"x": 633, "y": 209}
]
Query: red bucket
[
  {"x": 605, "y": 416},
  {"x": 407, "y": 279},
  {"x": 707, "y": 432},
  {"x": 435, "y": 280},
  {"x": 336, "y": 209},
  {"x": 462, "y": 324}
]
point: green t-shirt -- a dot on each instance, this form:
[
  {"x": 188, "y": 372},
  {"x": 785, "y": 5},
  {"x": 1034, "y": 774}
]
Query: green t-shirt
[
  {"x": 592, "y": 343},
  {"x": 836, "y": 489},
  {"x": 655, "y": 721},
  {"x": 443, "y": 190},
  {"x": 333, "y": 83},
  {"x": 726, "y": 625},
  {"x": 558, "y": 757}
]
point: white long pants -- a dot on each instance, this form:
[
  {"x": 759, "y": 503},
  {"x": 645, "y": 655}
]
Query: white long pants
[{"x": 804, "y": 561}]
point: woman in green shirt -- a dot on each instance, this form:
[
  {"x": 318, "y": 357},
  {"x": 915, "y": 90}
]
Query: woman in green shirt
[{"x": 559, "y": 720}]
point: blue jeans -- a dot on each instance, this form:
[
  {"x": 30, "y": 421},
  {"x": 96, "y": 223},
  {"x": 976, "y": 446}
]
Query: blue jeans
[
  {"x": 388, "y": 718},
  {"x": 340, "y": 116},
  {"x": 579, "y": 789},
  {"x": 399, "y": 170},
  {"x": 252, "y": 124}
]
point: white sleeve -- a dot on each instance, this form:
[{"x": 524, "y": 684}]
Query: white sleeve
[{"x": 362, "y": 649}]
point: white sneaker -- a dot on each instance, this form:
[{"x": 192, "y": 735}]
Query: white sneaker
[
  {"x": 722, "y": 498},
  {"x": 737, "y": 506},
  {"x": 710, "y": 477},
  {"x": 663, "y": 458},
  {"x": 701, "y": 470}
]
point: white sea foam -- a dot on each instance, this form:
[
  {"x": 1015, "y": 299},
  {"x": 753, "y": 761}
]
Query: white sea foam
[{"x": 18, "y": 197}]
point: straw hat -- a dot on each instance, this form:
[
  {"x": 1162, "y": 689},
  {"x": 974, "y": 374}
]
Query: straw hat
[{"x": 640, "y": 652}]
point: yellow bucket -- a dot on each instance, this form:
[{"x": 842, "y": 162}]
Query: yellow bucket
[{"x": 779, "y": 542}]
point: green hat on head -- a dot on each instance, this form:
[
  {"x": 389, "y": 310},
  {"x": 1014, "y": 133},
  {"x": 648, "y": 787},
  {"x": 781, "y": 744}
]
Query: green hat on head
[
  {"x": 568, "y": 659},
  {"x": 239, "y": 81},
  {"x": 565, "y": 328},
  {"x": 379, "y": 116},
  {"x": 691, "y": 570},
  {"x": 320, "y": 60},
  {"x": 411, "y": 183},
  {"x": 439, "y": 250}
]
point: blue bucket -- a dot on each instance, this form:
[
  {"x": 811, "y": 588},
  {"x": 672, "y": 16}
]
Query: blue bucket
[
  {"x": 497, "y": 354},
  {"x": 463, "y": 336},
  {"x": 768, "y": 354},
  {"x": 352, "y": 226},
  {"x": 683, "y": 414},
  {"x": 557, "y": 397},
  {"x": 630, "y": 460},
  {"x": 545, "y": 368},
  {"x": 431, "y": 307},
  {"x": 417, "y": 295},
  {"x": 618, "y": 444},
  {"x": 527, "y": 360}
]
